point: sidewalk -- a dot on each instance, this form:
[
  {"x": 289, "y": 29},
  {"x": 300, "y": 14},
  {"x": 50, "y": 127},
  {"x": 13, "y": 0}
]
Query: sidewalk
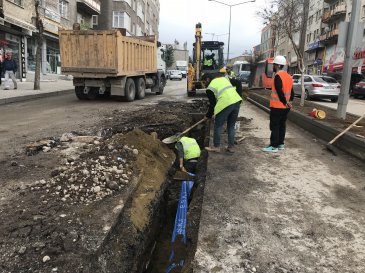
[
  {"x": 25, "y": 90},
  {"x": 300, "y": 210}
]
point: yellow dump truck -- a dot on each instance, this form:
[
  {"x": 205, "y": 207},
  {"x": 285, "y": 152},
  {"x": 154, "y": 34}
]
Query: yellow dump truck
[{"x": 106, "y": 62}]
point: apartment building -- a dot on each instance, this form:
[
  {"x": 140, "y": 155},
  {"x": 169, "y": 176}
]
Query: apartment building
[
  {"x": 18, "y": 25},
  {"x": 138, "y": 17},
  {"x": 335, "y": 12},
  {"x": 314, "y": 45},
  {"x": 268, "y": 40}
]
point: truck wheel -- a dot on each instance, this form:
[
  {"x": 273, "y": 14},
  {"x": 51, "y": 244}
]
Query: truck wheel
[
  {"x": 79, "y": 91},
  {"x": 141, "y": 88},
  {"x": 93, "y": 93},
  {"x": 130, "y": 90},
  {"x": 161, "y": 86}
]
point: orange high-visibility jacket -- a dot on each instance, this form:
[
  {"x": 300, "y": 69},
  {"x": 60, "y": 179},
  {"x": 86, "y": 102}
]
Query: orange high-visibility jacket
[{"x": 287, "y": 87}]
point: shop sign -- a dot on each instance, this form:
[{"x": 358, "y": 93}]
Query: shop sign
[
  {"x": 22, "y": 58},
  {"x": 313, "y": 45},
  {"x": 359, "y": 54}
]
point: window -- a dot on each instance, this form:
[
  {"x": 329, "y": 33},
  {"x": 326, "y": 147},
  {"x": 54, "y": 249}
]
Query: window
[
  {"x": 63, "y": 8},
  {"x": 94, "y": 20},
  {"x": 307, "y": 79},
  {"x": 121, "y": 19},
  {"x": 140, "y": 12}
]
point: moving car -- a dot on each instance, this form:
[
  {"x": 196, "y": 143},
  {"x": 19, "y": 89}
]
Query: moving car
[
  {"x": 317, "y": 86},
  {"x": 175, "y": 74},
  {"x": 358, "y": 90}
]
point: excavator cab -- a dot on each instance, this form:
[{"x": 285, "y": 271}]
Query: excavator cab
[
  {"x": 207, "y": 59},
  {"x": 212, "y": 50}
]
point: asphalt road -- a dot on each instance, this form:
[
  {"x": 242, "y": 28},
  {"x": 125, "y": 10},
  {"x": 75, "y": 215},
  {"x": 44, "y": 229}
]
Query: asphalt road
[{"x": 29, "y": 121}]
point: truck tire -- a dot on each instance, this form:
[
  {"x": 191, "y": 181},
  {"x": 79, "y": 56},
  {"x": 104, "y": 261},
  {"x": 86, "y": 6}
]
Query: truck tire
[
  {"x": 161, "y": 86},
  {"x": 79, "y": 91},
  {"x": 140, "y": 88},
  {"x": 93, "y": 93},
  {"x": 130, "y": 90}
]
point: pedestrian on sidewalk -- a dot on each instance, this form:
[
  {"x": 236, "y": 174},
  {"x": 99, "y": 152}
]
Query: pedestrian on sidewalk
[
  {"x": 10, "y": 67},
  {"x": 281, "y": 95},
  {"x": 224, "y": 104},
  {"x": 188, "y": 152}
]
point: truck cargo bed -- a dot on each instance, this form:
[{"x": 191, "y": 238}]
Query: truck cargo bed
[{"x": 106, "y": 53}]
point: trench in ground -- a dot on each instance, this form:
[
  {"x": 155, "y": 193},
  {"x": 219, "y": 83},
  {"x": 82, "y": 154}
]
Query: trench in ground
[{"x": 158, "y": 252}]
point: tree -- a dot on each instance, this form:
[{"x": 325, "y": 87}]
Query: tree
[
  {"x": 39, "y": 39},
  {"x": 169, "y": 55},
  {"x": 290, "y": 18}
]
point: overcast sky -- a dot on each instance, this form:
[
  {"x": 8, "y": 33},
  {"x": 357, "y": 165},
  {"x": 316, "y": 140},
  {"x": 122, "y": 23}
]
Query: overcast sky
[{"x": 178, "y": 19}]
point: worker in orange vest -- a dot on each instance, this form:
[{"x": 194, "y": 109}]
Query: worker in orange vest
[{"x": 281, "y": 95}]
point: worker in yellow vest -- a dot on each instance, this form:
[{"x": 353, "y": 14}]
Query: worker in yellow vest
[
  {"x": 224, "y": 104},
  {"x": 230, "y": 73},
  {"x": 281, "y": 95},
  {"x": 188, "y": 152}
]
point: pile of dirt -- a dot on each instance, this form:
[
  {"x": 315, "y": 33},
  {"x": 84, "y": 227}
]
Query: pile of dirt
[{"x": 60, "y": 200}]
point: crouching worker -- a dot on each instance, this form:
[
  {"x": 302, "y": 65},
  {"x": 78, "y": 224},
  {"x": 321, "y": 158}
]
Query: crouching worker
[{"x": 188, "y": 152}]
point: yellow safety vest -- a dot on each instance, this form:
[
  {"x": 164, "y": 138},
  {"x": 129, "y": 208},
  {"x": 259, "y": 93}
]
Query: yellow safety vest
[
  {"x": 191, "y": 148},
  {"x": 208, "y": 62},
  {"x": 224, "y": 93}
]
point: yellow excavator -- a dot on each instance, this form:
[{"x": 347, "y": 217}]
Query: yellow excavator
[{"x": 207, "y": 59}]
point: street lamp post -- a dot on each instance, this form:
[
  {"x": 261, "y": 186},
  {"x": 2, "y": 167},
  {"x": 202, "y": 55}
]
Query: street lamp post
[{"x": 230, "y": 16}]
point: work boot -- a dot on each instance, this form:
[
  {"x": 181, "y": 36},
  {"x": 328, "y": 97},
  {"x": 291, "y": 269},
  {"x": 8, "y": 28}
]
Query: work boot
[
  {"x": 281, "y": 147},
  {"x": 213, "y": 149},
  {"x": 230, "y": 149},
  {"x": 270, "y": 149}
]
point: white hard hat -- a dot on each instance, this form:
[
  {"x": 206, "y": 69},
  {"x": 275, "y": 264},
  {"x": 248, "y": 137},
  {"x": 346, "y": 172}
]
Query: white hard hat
[{"x": 280, "y": 60}]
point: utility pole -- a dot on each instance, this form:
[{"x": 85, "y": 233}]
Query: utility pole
[{"x": 353, "y": 30}]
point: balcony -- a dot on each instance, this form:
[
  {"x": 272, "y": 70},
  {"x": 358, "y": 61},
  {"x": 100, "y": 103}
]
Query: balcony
[
  {"x": 326, "y": 16},
  {"x": 330, "y": 37},
  {"x": 330, "y": 15},
  {"x": 91, "y": 7},
  {"x": 339, "y": 10}
]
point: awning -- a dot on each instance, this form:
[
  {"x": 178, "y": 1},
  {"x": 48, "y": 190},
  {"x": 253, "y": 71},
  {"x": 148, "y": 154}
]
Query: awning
[{"x": 19, "y": 23}]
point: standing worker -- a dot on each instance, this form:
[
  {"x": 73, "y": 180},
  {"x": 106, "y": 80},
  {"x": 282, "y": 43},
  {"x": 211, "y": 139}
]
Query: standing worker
[
  {"x": 9, "y": 67},
  {"x": 281, "y": 94},
  {"x": 188, "y": 152},
  {"x": 229, "y": 71},
  {"x": 224, "y": 104}
]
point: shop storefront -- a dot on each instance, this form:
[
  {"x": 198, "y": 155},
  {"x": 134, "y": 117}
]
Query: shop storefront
[
  {"x": 14, "y": 43},
  {"x": 314, "y": 60}
]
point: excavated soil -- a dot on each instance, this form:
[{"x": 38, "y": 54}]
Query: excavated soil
[{"x": 89, "y": 201}]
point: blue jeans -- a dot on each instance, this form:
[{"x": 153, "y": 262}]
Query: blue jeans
[{"x": 230, "y": 115}]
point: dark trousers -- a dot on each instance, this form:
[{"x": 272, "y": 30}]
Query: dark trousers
[{"x": 277, "y": 126}]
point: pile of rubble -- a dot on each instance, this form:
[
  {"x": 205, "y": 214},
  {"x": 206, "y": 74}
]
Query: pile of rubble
[{"x": 92, "y": 169}]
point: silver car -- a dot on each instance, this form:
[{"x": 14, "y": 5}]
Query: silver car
[{"x": 317, "y": 86}]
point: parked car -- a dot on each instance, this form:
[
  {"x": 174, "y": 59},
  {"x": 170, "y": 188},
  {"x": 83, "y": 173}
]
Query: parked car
[
  {"x": 322, "y": 87},
  {"x": 355, "y": 78},
  {"x": 244, "y": 76},
  {"x": 175, "y": 75},
  {"x": 358, "y": 90}
]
